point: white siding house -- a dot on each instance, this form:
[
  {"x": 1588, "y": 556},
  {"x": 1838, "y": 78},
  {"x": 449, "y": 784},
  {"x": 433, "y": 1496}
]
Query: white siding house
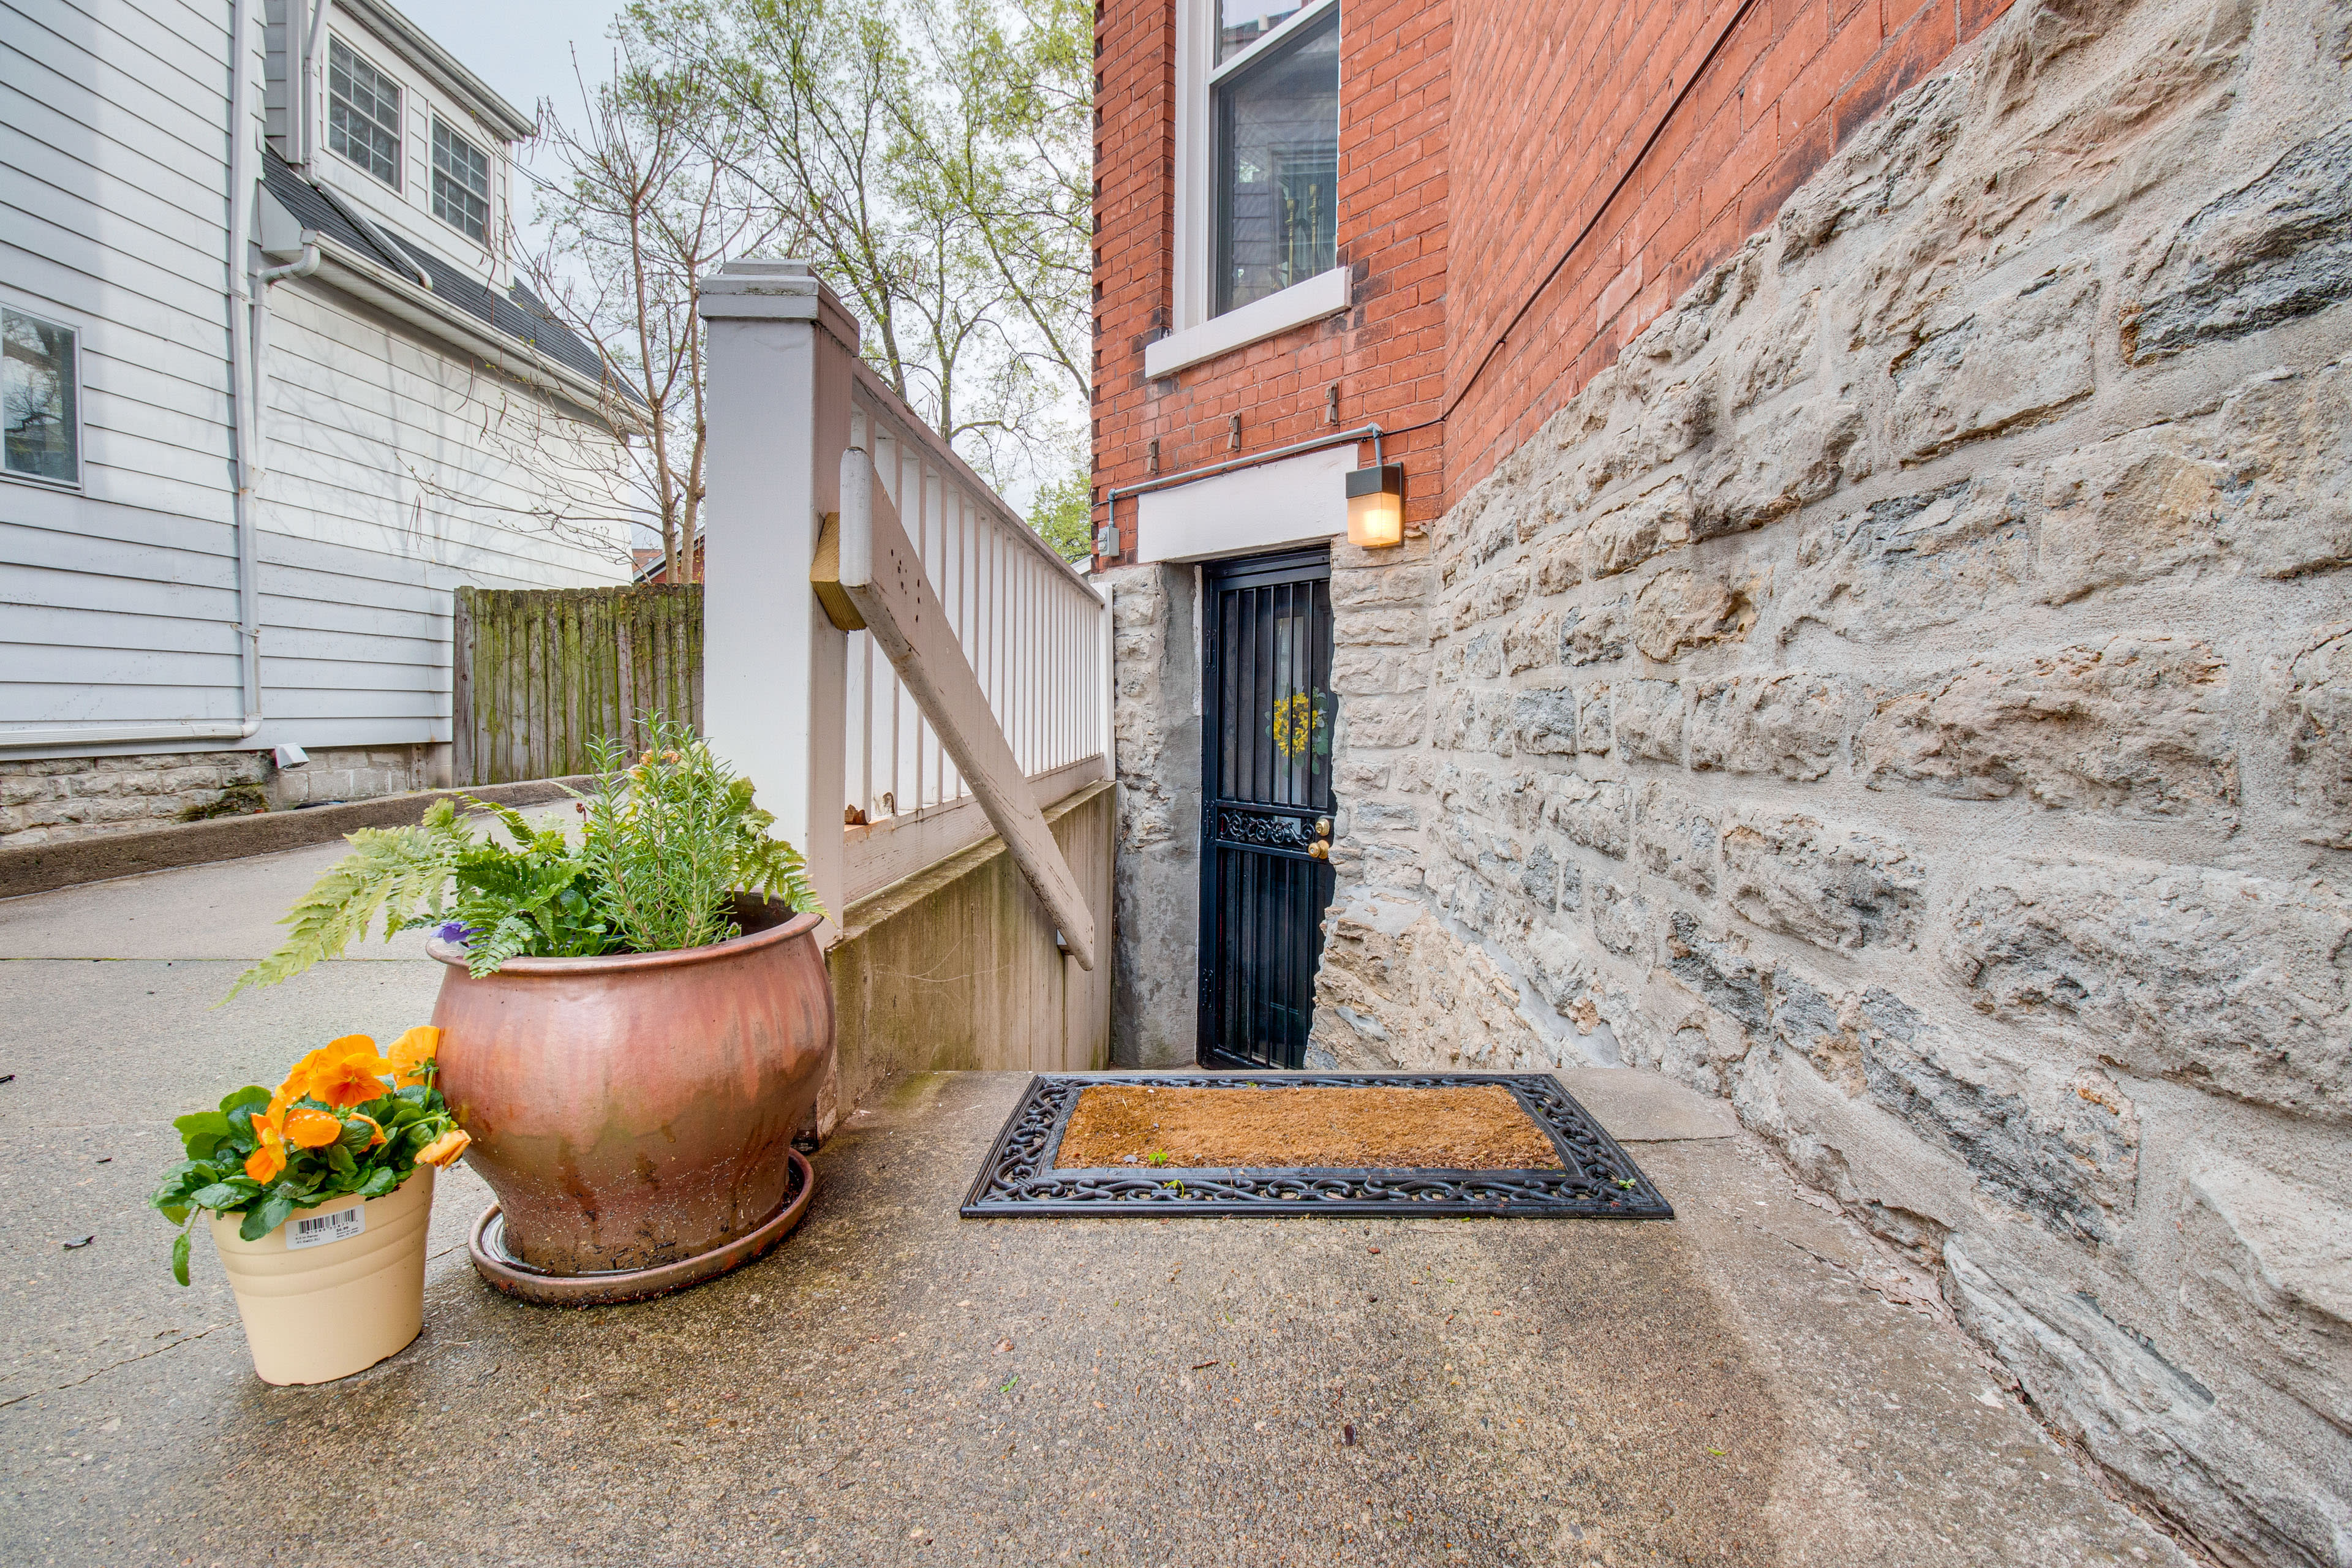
[{"x": 272, "y": 393}]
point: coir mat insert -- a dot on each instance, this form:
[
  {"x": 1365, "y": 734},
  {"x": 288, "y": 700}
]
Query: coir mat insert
[{"x": 1324, "y": 1144}]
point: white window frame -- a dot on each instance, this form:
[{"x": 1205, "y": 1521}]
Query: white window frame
[
  {"x": 439, "y": 121},
  {"x": 81, "y": 404},
  {"x": 400, "y": 182},
  {"x": 1199, "y": 336}
]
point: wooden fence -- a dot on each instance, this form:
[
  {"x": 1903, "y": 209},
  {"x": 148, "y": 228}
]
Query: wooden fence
[{"x": 540, "y": 673}]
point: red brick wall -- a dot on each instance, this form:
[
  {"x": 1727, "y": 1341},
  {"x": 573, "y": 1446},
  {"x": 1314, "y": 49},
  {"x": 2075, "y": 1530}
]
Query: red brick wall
[
  {"x": 1567, "y": 96},
  {"x": 1386, "y": 355},
  {"x": 1476, "y": 138}
]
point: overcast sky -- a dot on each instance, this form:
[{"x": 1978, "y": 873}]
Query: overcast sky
[{"x": 523, "y": 49}]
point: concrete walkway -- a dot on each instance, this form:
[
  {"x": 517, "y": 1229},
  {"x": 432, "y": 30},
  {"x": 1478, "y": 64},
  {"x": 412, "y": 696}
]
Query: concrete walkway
[{"x": 898, "y": 1386}]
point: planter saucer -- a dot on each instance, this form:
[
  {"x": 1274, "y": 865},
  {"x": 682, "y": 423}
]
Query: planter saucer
[{"x": 519, "y": 1279}]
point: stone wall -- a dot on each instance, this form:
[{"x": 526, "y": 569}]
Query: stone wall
[
  {"x": 56, "y": 799},
  {"x": 1156, "y": 739},
  {"x": 1909, "y": 693},
  {"x": 360, "y": 772}
]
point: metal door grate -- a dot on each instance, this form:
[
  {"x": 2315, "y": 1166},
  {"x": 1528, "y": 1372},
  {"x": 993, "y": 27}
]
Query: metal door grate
[{"x": 1267, "y": 804}]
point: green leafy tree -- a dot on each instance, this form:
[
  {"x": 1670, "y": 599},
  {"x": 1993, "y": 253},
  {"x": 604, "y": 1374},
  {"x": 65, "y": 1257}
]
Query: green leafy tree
[
  {"x": 933, "y": 158},
  {"x": 652, "y": 198},
  {"x": 1063, "y": 514}
]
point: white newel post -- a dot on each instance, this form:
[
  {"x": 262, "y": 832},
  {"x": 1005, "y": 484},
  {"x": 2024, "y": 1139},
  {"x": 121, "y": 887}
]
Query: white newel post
[{"x": 777, "y": 406}]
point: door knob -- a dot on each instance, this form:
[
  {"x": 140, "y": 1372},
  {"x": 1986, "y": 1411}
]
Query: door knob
[{"x": 1319, "y": 851}]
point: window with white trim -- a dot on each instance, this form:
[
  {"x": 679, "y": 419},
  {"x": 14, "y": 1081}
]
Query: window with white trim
[
  {"x": 363, "y": 112},
  {"x": 39, "y": 397},
  {"x": 461, "y": 184},
  {"x": 1275, "y": 119}
]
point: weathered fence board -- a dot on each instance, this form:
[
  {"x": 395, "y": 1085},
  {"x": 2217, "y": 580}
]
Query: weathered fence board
[{"x": 540, "y": 673}]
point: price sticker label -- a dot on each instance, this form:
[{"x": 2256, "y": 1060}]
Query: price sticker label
[{"x": 319, "y": 1230}]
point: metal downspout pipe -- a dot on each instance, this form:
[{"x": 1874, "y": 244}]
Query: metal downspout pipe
[
  {"x": 306, "y": 119},
  {"x": 245, "y": 401}
]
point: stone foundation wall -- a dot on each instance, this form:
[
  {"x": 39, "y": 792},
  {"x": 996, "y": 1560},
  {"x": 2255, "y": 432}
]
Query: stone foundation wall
[
  {"x": 361, "y": 772},
  {"x": 1910, "y": 694},
  {"x": 61, "y": 798},
  {"x": 1156, "y": 724}
]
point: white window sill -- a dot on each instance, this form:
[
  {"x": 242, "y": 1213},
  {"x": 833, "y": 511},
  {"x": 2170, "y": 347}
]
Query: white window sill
[{"x": 1325, "y": 294}]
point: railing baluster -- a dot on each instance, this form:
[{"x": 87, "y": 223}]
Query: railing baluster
[{"x": 1032, "y": 631}]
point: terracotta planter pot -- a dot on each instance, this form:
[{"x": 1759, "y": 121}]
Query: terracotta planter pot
[
  {"x": 635, "y": 1112},
  {"x": 317, "y": 1312}
]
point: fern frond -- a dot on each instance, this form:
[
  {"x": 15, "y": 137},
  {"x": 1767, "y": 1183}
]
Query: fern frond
[
  {"x": 390, "y": 868},
  {"x": 518, "y": 825},
  {"x": 500, "y": 943},
  {"x": 772, "y": 867}
]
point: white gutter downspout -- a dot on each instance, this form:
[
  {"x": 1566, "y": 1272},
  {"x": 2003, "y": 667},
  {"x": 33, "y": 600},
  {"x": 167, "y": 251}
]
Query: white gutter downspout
[
  {"x": 307, "y": 123},
  {"x": 243, "y": 401},
  {"x": 241, "y": 412}
]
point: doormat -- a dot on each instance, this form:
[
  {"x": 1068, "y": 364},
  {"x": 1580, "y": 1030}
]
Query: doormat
[{"x": 1321, "y": 1144}]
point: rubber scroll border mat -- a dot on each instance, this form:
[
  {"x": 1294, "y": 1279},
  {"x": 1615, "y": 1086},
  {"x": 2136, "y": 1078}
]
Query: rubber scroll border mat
[{"x": 1597, "y": 1179}]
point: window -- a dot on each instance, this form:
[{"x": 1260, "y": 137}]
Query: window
[
  {"x": 37, "y": 373},
  {"x": 1276, "y": 91},
  {"x": 1240, "y": 23},
  {"x": 363, "y": 113},
  {"x": 461, "y": 184}
]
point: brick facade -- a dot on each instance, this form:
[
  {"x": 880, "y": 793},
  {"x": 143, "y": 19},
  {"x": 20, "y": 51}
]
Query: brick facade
[{"x": 1551, "y": 108}]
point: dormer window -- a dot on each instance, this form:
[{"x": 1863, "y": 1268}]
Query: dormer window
[
  {"x": 363, "y": 113},
  {"x": 461, "y": 184}
]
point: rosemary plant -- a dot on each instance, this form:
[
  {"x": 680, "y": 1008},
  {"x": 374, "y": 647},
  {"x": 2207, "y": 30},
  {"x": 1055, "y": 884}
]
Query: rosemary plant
[{"x": 672, "y": 835}]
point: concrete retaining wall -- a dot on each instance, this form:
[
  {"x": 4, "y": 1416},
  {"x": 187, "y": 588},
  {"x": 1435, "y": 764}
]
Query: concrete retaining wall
[{"x": 955, "y": 968}]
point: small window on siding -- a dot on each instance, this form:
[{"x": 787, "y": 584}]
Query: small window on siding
[
  {"x": 37, "y": 373},
  {"x": 461, "y": 184},
  {"x": 363, "y": 113}
]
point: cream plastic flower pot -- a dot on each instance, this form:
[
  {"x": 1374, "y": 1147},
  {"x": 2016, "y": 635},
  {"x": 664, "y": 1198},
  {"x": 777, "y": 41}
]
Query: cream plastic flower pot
[{"x": 337, "y": 1300}]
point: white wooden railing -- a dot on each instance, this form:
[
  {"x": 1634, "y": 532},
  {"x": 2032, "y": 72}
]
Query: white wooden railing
[
  {"x": 1031, "y": 626},
  {"x": 850, "y": 739}
]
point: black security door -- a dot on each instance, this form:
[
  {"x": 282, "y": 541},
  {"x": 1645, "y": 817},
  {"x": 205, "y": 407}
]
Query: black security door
[{"x": 1267, "y": 804}]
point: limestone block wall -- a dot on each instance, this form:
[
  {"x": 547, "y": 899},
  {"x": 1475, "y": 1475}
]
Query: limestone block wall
[
  {"x": 1909, "y": 693},
  {"x": 1156, "y": 741},
  {"x": 55, "y": 799},
  {"x": 50, "y": 800},
  {"x": 361, "y": 772}
]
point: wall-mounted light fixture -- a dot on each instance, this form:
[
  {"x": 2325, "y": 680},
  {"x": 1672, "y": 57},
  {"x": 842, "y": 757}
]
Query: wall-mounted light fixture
[{"x": 1376, "y": 506}]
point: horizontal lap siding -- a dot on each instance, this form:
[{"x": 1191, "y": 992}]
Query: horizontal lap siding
[
  {"x": 379, "y": 496},
  {"x": 118, "y": 603}
]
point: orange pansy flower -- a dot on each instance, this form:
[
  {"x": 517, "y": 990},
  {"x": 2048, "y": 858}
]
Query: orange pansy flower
[
  {"x": 376, "y": 1136},
  {"x": 308, "y": 1128},
  {"x": 443, "y": 1150},
  {"x": 264, "y": 1163},
  {"x": 341, "y": 1073},
  {"x": 411, "y": 1053}
]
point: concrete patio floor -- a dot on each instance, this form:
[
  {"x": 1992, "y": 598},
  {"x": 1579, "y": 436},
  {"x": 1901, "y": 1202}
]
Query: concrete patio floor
[{"x": 894, "y": 1384}]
